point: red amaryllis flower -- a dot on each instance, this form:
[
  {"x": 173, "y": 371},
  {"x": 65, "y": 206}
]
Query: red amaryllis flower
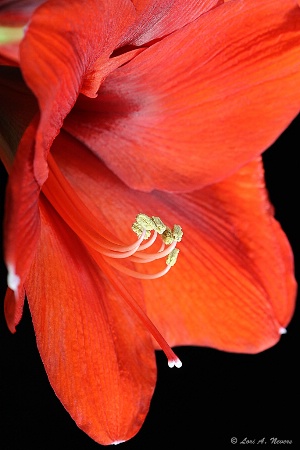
[{"x": 159, "y": 107}]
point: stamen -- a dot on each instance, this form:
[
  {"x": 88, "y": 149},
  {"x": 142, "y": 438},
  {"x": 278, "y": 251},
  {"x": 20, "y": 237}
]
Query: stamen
[
  {"x": 172, "y": 257},
  {"x": 134, "y": 274},
  {"x": 149, "y": 223},
  {"x": 106, "y": 249},
  {"x": 145, "y": 222},
  {"x": 159, "y": 226},
  {"x": 177, "y": 233},
  {"x": 148, "y": 257},
  {"x": 60, "y": 193},
  {"x": 138, "y": 229},
  {"x": 121, "y": 254},
  {"x": 167, "y": 236},
  {"x": 149, "y": 243}
]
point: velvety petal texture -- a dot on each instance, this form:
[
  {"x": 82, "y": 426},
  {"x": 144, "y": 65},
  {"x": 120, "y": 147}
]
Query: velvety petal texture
[
  {"x": 21, "y": 227},
  {"x": 98, "y": 356},
  {"x": 155, "y": 107},
  {"x": 65, "y": 54},
  {"x": 158, "y": 18},
  {"x": 223, "y": 292},
  {"x": 13, "y": 307},
  {"x": 235, "y": 290},
  {"x": 21, "y": 224},
  {"x": 200, "y": 103}
]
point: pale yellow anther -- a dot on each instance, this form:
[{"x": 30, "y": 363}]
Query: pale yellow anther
[
  {"x": 159, "y": 226},
  {"x": 177, "y": 233},
  {"x": 167, "y": 236},
  {"x": 172, "y": 257},
  {"x": 138, "y": 229},
  {"x": 145, "y": 222}
]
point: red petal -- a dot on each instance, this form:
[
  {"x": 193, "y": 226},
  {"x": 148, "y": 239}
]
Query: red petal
[
  {"x": 96, "y": 236},
  {"x": 22, "y": 221},
  {"x": 223, "y": 292},
  {"x": 157, "y": 18},
  {"x": 101, "y": 69},
  {"x": 99, "y": 359},
  {"x": 199, "y": 104},
  {"x": 21, "y": 227},
  {"x": 64, "y": 54},
  {"x": 13, "y": 308},
  {"x": 233, "y": 287}
]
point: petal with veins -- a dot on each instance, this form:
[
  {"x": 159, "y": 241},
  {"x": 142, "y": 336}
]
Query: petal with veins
[
  {"x": 22, "y": 219},
  {"x": 223, "y": 291},
  {"x": 197, "y": 105},
  {"x": 158, "y": 18},
  {"x": 65, "y": 54},
  {"x": 99, "y": 358}
]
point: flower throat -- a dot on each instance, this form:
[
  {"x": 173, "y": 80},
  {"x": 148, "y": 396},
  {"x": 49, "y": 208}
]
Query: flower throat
[{"x": 108, "y": 251}]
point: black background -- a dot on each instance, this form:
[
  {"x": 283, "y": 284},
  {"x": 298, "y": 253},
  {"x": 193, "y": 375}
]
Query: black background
[{"x": 215, "y": 396}]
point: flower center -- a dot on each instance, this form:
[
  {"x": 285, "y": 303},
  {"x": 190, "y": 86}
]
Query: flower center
[
  {"x": 107, "y": 250},
  {"x": 146, "y": 227},
  {"x": 65, "y": 200}
]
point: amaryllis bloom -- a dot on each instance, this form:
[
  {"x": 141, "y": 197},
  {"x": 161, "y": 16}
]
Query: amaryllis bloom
[{"x": 122, "y": 124}]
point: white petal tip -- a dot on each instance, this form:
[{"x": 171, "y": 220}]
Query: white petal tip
[
  {"x": 117, "y": 442},
  {"x": 282, "y": 330},
  {"x": 174, "y": 362},
  {"x": 13, "y": 280}
]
